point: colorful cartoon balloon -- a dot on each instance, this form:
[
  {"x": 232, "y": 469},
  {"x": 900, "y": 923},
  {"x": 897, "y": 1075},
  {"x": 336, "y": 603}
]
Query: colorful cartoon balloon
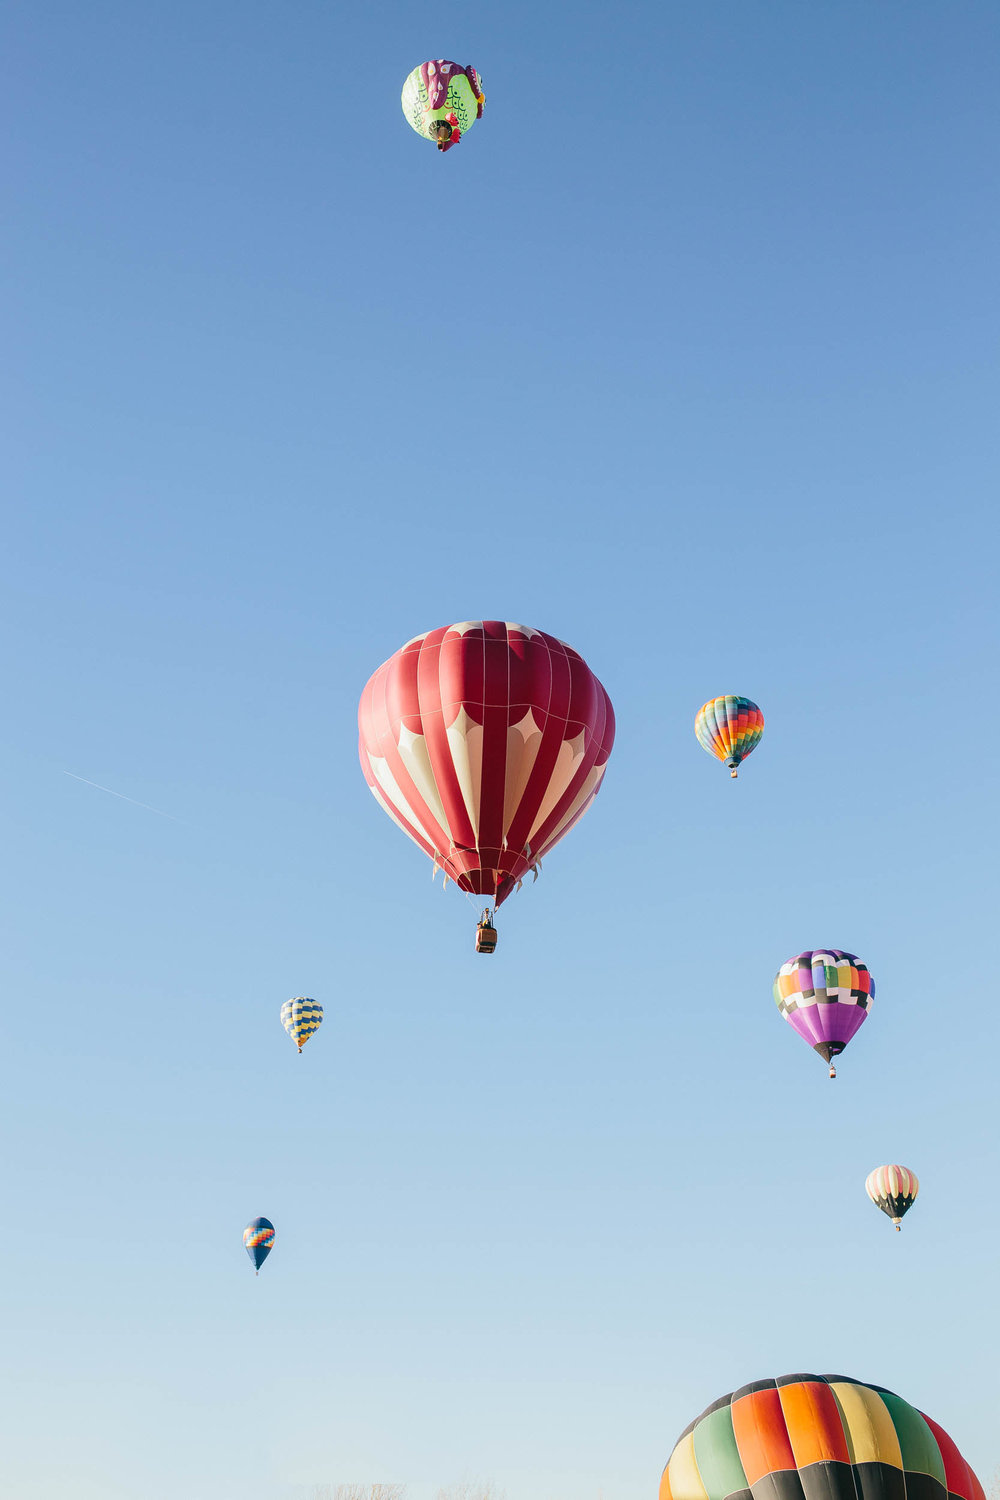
[
  {"x": 485, "y": 742},
  {"x": 893, "y": 1189},
  {"x": 816, "y": 1437},
  {"x": 300, "y": 1017},
  {"x": 442, "y": 101},
  {"x": 258, "y": 1240},
  {"x": 729, "y": 728},
  {"x": 825, "y": 995}
]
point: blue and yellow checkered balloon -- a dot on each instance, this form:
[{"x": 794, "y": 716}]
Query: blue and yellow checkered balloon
[{"x": 300, "y": 1018}]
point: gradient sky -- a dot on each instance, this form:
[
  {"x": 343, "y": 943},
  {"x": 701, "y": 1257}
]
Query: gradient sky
[{"x": 700, "y": 374}]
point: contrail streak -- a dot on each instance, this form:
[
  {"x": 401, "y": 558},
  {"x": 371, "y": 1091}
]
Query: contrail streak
[{"x": 123, "y": 797}]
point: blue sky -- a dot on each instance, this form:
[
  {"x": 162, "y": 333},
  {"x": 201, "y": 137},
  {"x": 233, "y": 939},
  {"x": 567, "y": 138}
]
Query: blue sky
[{"x": 702, "y": 378}]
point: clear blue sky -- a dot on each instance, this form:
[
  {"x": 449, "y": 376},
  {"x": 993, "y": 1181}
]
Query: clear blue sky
[{"x": 702, "y": 379}]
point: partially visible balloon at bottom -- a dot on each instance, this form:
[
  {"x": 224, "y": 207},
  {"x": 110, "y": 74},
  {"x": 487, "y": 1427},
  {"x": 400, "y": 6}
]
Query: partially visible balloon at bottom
[{"x": 816, "y": 1437}]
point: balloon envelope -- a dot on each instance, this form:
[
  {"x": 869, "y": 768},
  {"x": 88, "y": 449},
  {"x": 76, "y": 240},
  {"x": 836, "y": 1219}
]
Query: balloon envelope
[
  {"x": 258, "y": 1238},
  {"x": 485, "y": 742},
  {"x": 825, "y": 994},
  {"x": 816, "y": 1437},
  {"x": 893, "y": 1189},
  {"x": 439, "y": 89},
  {"x": 729, "y": 728},
  {"x": 300, "y": 1017}
]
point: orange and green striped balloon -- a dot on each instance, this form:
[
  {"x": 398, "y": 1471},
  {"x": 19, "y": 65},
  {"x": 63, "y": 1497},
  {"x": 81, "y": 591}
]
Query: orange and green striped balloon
[
  {"x": 816, "y": 1437},
  {"x": 729, "y": 728}
]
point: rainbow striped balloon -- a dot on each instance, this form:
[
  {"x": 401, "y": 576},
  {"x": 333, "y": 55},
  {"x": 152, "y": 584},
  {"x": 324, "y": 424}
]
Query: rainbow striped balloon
[
  {"x": 300, "y": 1017},
  {"x": 893, "y": 1190},
  {"x": 729, "y": 728}
]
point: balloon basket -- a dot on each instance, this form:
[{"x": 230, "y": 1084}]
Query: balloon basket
[{"x": 486, "y": 937}]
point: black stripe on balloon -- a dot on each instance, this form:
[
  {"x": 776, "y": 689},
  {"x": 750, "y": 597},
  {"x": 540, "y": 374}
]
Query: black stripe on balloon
[
  {"x": 829, "y": 1480},
  {"x": 880, "y": 1482},
  {"x": 924, "y": 1487},
  {"x": 780, "y": 1484},
  {"x": 755, "y": 1385},
  {"x": 828, "y": 1050},
  {"x": 868, "y": 1385}
]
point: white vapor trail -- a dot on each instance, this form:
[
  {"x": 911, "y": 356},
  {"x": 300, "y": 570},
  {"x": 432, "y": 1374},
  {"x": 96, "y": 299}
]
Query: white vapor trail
[{"x": 122, "y": 795}]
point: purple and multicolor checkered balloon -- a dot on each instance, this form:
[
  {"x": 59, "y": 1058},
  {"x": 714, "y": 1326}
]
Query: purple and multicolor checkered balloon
[{"x": 825, "y": 994}]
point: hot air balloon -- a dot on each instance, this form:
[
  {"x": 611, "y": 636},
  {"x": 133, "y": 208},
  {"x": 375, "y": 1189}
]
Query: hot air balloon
[
  {"x": 485, "y": 742},
  {"x": 442, "y": 101},
  {"x": 893, "y": 1189},
  {"x": 258, "y": 1240},
  {"x": 816, "y": 1437},
  {"x": 825, "y": 995},
  {"x": 729, "y": 728},
  {"x": 300, "y": 1017}
]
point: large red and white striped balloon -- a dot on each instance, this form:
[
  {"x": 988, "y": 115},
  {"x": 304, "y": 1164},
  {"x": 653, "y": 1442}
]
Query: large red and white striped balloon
[{"x": 485, "y": 741}]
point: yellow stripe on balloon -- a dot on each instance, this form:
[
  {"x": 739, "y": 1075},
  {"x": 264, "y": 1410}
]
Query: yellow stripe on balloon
[
  {"x": 684, "y": 1481},
  {"x": 868, "y": 1427}
]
